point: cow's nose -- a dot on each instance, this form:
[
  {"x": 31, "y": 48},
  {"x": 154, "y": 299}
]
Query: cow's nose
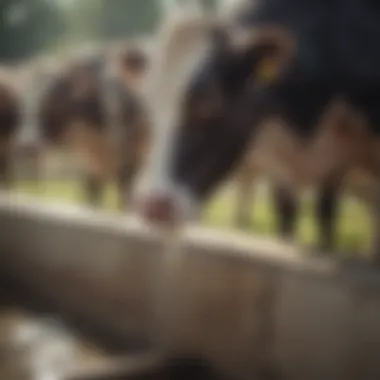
[{"x": 161, "y": 210}]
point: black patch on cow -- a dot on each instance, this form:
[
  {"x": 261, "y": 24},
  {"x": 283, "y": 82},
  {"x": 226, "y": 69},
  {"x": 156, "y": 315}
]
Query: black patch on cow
[
  {"x": 336, "y": 44},
  {"x": 299, "y": 102}
]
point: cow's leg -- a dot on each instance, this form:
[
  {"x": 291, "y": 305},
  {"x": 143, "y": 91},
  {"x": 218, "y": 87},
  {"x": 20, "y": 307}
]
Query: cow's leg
[
  {"x": 86, "y": 139},
  {"x": 244, "y": 199},
  {"x": 6, "y": 178},
  {"x": 327, "y": 207},
  {"x": 93, "y": 190},
  {"x": 286, "y": 208}
]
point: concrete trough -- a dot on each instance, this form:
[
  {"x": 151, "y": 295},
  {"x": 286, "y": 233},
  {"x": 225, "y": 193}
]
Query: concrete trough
[{"x": 252, "y": 307}]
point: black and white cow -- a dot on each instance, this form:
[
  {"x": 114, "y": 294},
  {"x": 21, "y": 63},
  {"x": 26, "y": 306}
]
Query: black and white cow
[{"x": 297, "y": 81}]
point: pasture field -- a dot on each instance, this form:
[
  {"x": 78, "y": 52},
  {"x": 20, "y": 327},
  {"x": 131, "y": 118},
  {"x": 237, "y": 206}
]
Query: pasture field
[{"x": 353, "y": 225}]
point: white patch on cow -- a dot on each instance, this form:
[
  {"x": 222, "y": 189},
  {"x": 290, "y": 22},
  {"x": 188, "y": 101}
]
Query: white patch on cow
[
  {"x": 230, "y": 8},
  {"x": 181, "y": 46},
  {"x": 37, "y": 79}
]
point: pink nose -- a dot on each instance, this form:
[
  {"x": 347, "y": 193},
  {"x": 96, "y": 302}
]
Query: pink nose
[{"x": 161, "y": 210}]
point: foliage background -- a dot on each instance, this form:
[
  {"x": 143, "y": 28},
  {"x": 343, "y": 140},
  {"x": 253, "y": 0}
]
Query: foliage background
[{"x": 29, "y": 27}]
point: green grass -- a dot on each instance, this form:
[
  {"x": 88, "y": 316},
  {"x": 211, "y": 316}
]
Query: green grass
[{"x": 352, "y": 229}]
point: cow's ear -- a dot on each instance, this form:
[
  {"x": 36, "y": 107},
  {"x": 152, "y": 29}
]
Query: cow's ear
[
  {"x": 135, "y": 60},
  {"x": 264, "y": 54}
]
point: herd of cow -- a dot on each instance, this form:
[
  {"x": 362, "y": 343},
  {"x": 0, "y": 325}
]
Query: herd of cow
[
  {"x": 270, "y": 89},
  {"x": 71, "y": 105}
]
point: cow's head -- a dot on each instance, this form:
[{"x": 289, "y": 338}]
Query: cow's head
[{"x": 209, "y": 93}]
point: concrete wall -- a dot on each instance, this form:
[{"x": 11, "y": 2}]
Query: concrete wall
[{"x": 253, "y": 307}]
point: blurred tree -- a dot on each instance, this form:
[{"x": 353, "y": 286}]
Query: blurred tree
[
  {"x": 211, "y": 4},
  {"x": 127, "y": 18},
  {"x": 109, "y": 19},
  {"x": 28, "y": 26},
  {"x": 83, "y": 19}
]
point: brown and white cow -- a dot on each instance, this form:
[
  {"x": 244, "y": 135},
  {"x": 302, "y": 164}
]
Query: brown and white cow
[
  {"x": 310, "y": 116},
  {"x": 100, "y": 118}
]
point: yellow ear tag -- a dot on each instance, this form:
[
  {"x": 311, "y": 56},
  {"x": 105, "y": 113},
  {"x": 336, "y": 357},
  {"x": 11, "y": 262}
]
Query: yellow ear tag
[{"x": 267, "y": 70}]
